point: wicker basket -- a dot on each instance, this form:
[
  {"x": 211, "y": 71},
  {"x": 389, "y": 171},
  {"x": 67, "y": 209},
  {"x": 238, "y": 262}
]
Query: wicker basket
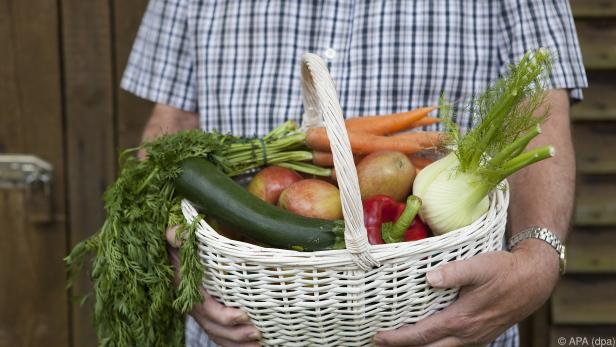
[{"x": 339, "y": 297}]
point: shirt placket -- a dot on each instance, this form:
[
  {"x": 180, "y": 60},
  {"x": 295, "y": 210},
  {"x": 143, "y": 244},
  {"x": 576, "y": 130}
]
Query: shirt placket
[{"x": 334, "y": 37}]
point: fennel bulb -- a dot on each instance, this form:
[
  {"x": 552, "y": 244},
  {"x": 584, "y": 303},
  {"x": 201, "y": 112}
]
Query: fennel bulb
[{"x": 454, "y": 190}]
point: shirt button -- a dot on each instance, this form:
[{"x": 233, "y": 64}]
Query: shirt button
[{"x": 330, "y": 53}]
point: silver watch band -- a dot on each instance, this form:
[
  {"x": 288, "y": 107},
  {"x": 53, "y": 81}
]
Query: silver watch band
[{"x": 544, "y": 234}]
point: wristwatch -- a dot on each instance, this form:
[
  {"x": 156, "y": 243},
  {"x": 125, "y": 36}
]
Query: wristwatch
[{"x": 546, "y": 235}]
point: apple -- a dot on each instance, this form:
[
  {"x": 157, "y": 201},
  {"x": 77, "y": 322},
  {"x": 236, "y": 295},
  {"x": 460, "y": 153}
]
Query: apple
[
  {"x": 312, "y": 198},
  {"x": 268, "y": 183}
]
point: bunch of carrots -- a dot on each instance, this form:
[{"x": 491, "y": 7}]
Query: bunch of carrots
[{"x": 369, "y": 134}]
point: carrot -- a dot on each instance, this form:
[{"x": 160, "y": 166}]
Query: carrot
[
  {"x": 326, "y": 159},
  {"x": 425, "y": 122},
  {"x": 322, "y": 158},
  {"x": 419, "y": 162},
  {"x": 427, "y": 139},
  {"x": 387, "y": 124},
  {"x": 362, "y": 143}
]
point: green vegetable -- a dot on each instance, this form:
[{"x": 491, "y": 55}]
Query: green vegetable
[
  {"x": 454, "y": 189},
  {"x": 136, "y": 303},
  {"x": 219, "y": 196},
  {"x": 394, "y": 232}
]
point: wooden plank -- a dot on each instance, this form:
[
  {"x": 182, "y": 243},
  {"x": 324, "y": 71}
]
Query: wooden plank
[
  {"x": 576, "y": 335},
  {"x": 34, "y": 304},
  {"x": 596, "y": 201},
  {"x": 533, "y": 328},
  {"x": 596, "y": 37},
  {"x": 90, "y": 147},
  {"x": 599, "y": 102},
  {"x": 132, "y": 112},
  {"x": 591, "y": 250},
  {"x": 585, "y": 300},
  {"x": 541, "y": 322},
  {"x": 593, "y": 8},
  {"x": 594, "y": 147}
]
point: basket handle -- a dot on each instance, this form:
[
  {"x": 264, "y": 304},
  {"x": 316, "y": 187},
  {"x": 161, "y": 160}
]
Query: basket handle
[{"x": 321, "y": 100}]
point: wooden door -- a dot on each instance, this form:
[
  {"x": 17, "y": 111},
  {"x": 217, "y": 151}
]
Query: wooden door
[{"x": 33, "y": 299}]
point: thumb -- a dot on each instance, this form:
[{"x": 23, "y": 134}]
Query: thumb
[{"x": 456, "y": 274}]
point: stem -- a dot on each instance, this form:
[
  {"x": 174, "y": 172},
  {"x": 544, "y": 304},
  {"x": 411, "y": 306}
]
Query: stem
[
  {"x": 509, "y": 168},
  {"x": 147, "y": 180},
  {"x": 527, "y": 158},
  {"x": 494, "y": 121},
  {"x": 515, "y": 146},
  {"x": 282, "y": 129},
  {"x": 480, "y": 192},
  {"x": 307, "y": 168},
  {"x": 272, "y": 158},
  {"x": 395, "y": 233}
]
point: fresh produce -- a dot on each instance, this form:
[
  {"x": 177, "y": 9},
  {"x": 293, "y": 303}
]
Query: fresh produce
[
  {"x": 312, "y": 198},
  {"x": 425, "y": 122},
  {"x": 419, "y": 162},
  {"x": 362, "y": 143},
  {"x": 131, "y": 274},
  {"x": 418, "y": 230},
  {"x": 268, "y": 183},
  {"x": 385, "y": 173},
  {"x": 454, "y": 190},
  {"x": 373, "y": 218},
  {"x": 393, "y": 232},
  {"x": 380, "y": 213},
  {"x": 379, "y": 209},
  {"x": 224, "y": 230},
  {"x": 425, "y": 139},
  {"x": 387, "y": 124},
  {"x": 326, "y": 159},
  {"x": 218, "y": 195}
]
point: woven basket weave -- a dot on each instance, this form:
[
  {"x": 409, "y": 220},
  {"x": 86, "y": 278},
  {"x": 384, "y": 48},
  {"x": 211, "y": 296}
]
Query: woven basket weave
[{"x": 338, "y": 297}]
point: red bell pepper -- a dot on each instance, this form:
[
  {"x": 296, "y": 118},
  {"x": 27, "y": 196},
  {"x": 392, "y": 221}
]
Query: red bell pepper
[
  {"x": 417, "y": 231},
  {"x": 381, "y": 211},
  {"x": 373, "y": 216},
  {"x": 408, "y": 227}
]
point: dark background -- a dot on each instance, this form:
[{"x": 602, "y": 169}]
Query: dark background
[{"x": 60, "y": 66}]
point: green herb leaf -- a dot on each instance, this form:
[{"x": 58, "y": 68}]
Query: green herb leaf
[{"x": 136, "y": 301}]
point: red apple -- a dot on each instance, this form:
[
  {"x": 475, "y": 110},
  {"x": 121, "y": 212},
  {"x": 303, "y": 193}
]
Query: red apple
[
  {"x": 271, "y": 181},
  {"x": 312, "y": 198}
]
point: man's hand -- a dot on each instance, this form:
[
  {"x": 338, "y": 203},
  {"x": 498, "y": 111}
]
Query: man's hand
[
  {"x": 228, "y": 327},
  {"x": 498, "y": 289},
  {"x": 167, "y": 120}
]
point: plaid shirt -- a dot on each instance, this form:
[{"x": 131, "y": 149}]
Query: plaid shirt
[{"x": 236, "y": 63}]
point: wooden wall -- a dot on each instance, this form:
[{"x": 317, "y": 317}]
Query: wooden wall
[
  {"x": 59, "y": 75},
  {"x": 584, "y": 302}
]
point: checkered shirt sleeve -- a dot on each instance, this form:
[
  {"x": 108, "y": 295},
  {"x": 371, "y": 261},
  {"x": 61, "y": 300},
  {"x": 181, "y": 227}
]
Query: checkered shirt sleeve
[
  {"x": 161, "y": 65},
  {"x": 528, "y": 24}
]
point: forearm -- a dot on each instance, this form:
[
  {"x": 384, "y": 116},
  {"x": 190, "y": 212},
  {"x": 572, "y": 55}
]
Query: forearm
[
  {"x": 168, "y": 120},
  {"x": 543, "y": 193}
]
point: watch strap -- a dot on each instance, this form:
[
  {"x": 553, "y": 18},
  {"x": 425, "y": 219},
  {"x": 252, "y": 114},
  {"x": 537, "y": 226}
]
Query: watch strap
[{"x": 545, "y": 235}]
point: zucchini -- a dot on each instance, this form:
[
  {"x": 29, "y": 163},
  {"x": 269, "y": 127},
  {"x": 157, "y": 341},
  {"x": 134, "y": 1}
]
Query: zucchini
[{"x": 217, "y": 195}]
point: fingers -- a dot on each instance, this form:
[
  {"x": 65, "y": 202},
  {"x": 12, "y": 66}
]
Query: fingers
[
  {"x": 459, "y": 273},
  {"x": 224, "y": 323},
  {"x": 227, "y": 326},
  {"x": 237, "y": 334},
  {"x": 218, "y": 313},
  {"x": 424, "y": 332},
  {"x": 170, "y": 234},
  {"x": 228, "y": 343}
]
